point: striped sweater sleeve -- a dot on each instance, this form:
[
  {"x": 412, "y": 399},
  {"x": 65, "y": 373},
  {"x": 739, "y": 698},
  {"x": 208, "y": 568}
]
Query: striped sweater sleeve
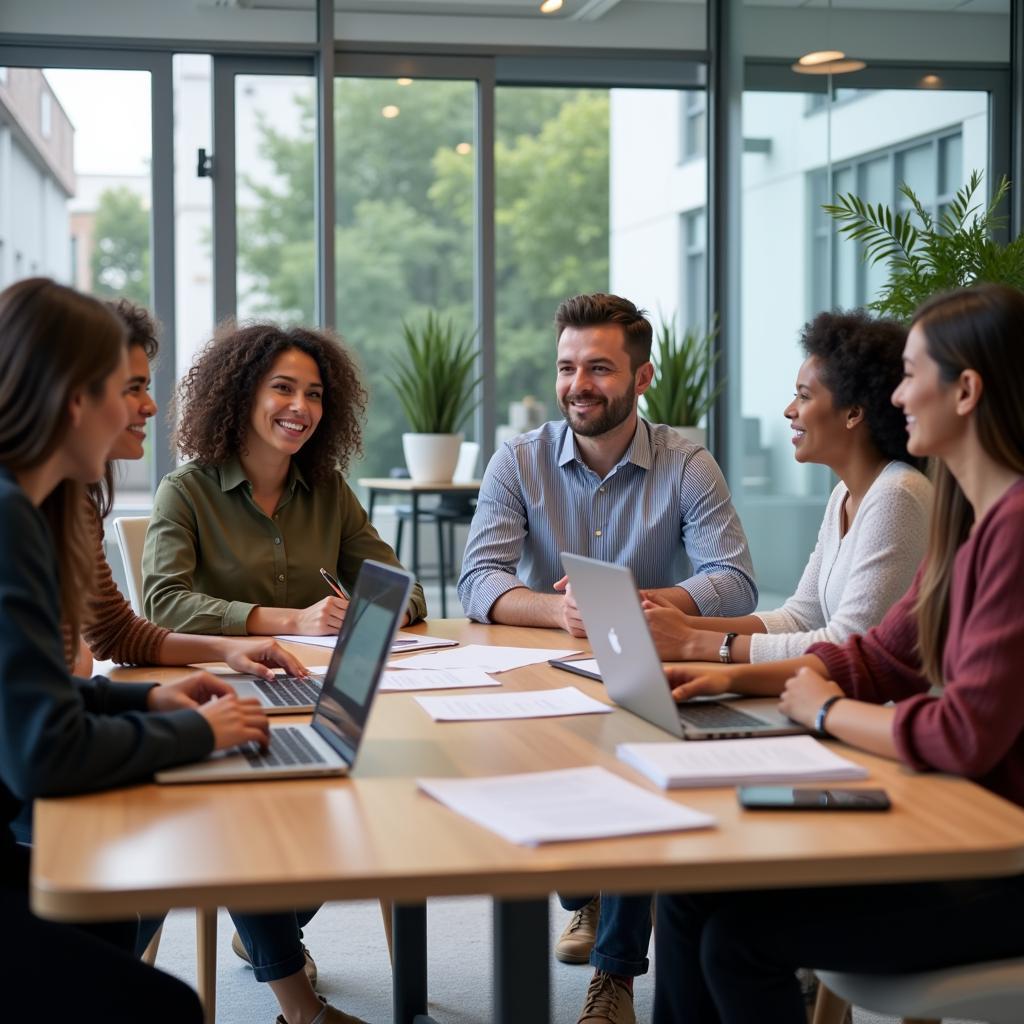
[{"x": 111, "y": 629}]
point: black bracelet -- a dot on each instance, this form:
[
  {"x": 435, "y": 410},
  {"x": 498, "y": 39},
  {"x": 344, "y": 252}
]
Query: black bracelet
[{"x": 819, "y": 718}]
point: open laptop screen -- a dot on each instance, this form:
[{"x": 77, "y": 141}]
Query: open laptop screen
[{"x": 378, "y": 601}]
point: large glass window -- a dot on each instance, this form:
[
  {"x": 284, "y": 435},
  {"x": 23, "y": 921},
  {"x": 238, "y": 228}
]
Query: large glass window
[{"x": 405, "y": 229}]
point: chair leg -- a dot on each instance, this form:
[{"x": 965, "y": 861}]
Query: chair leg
[
  {"x": 206, "y": 961},
  {"x": 149, "y": 956},
  {"x": 442, "y": 569},
  {"x": 387, "y": 908},
  {"x": 398, "y": 538},
  {"x": 828, "y": 1007}
]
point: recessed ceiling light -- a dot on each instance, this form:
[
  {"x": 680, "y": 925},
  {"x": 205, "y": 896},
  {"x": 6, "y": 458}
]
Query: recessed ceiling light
[
  {"x": 463, "y": 148},
  {"x": 404, "y": 81},
  {"x": 550, "y": 6},
  {"x": 390, "y": 110},
  {"x": 931, "y": 81}
]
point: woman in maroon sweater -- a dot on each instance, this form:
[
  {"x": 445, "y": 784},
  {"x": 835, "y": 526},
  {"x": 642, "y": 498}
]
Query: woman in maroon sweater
[{"x": 949, "y": 654}]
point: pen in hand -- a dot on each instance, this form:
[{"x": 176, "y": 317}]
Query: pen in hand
[{"x": 335, "y": 584}]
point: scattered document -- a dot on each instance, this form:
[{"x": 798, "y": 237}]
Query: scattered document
[
  {"x": 490, "y": 659},
  {"x": 574, "y": 803},
  {"x": 523, "y": 704},
  {"x": 685, "y": 763},
  {"x": 402, "y": 641},
  {"x": 435, "y": 679}
]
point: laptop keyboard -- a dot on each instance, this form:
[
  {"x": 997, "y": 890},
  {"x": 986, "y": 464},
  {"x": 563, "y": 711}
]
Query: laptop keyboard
[
  {"x": 712, "y": 715},
  {"x": 288, "y": 746},
  {"x": 289, "y": 691}
]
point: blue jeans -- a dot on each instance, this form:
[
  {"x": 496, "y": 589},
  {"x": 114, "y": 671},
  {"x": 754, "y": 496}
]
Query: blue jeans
[
  {"x": 731, "y": 958},
  {"x": 274, "y": 941},
  {"x": 623, "y": 932}
]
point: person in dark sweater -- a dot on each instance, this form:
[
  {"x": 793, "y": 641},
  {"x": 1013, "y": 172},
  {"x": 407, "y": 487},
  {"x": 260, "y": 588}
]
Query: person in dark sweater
[
  {"x": 948, "y": 654},
  {"x": 63, "y": 370}
]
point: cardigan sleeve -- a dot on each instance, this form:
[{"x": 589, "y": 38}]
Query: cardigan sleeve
[{"x": 111, "y": 629}]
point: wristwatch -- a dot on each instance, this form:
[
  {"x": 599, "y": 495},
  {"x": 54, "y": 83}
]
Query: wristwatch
[
  {"x": 723, "y": 652},
  {"x": 819, "y": 718}
]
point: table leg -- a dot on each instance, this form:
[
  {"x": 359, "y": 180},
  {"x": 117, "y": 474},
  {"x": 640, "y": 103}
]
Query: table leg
[
  {"x": 409, "y": 958},
  {"x": 522, "y": 962},
  {"x": 416, "y": 536},
  {"x": 206, "y": 961}
]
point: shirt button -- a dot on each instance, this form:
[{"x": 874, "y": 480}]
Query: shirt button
[
  {"x": 597, "y": 533},
  {"x": 600, "y": 490},
  {"x": 281, "y": 577},
  {"x": 277, "y": 540}
]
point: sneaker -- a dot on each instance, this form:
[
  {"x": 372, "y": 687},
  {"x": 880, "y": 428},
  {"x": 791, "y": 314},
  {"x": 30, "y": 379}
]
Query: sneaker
[
  {"x": 609, "y": 1001},
  {"x": 243, "y": 954},
  {"x": 577, "y": 940},
  {"x": 331, "y": 1015}
]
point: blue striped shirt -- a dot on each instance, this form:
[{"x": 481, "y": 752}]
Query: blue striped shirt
[{"x": 664, "y": 510}]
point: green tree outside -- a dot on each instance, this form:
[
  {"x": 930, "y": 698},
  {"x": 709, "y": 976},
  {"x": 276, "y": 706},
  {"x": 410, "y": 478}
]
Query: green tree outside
[{"x": 120, "y": 257}]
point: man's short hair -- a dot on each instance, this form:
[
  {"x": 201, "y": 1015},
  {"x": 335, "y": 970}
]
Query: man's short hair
[{"x": 599, "y": 308}]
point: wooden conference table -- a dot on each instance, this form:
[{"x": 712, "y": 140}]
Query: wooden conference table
[{"x": 270, "y": 845}]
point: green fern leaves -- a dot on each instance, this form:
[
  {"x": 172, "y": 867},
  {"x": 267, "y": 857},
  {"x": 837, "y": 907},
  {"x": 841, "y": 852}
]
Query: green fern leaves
[{"x": 681, "y": 393}]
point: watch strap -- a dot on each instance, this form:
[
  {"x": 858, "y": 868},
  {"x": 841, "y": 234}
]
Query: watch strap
[
  {"x": 819, "y": 718},
  {"x": 724, "y": 651}
]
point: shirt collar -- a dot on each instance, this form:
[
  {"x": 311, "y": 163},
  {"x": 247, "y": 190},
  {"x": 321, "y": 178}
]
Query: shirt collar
[
  {"x": 639, "y": 451},
  {"x": 233, "y": 475}
]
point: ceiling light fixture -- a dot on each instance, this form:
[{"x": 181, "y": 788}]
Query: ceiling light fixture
[
  {"x": 389, "y": 111},
  {"x": 403, "y": 81},
  {"x": 827, "y": 62},
  {"x": 550, "y": 6},
  {"x": 463, "y": 149}
]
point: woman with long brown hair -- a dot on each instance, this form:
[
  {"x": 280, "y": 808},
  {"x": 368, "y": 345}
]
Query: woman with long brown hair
[
  {"x": 948, "y": 654},
  {"x": 271, "y": 418},
  {"x": 63, "y": 370},
  {"x": 110, "y": 628}
]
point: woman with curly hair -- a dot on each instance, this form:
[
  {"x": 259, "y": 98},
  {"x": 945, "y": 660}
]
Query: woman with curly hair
[
  {"x": 876, "y": 521},
  {"x": 110, "y": 629},
  {"x": 271, "y": 419}
]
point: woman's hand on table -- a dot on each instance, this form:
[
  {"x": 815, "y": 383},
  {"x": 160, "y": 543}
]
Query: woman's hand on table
[
  {"x": 231, "y": 720},
  {"x": 321, "y": 619},
  {"x": 686, "y": 682},
  {"x": 260, "y": 657},
  {"x": 804, "y": 695}
]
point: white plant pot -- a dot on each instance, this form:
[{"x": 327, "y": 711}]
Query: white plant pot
[
  {"x": 695, "y": 435},
  {"x": 431, "y": 458}
]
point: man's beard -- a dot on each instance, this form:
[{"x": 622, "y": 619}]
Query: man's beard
[{"x": 616, "y": 411}]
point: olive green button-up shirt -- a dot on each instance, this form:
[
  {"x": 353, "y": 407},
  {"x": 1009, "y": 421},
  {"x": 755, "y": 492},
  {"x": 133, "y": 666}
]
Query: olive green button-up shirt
[{"x": 212, "y": 554}]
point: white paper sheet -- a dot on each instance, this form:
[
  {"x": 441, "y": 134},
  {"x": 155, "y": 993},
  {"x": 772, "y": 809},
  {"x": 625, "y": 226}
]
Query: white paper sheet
[
  {"x": 402, "y": 642},
  {"x": 435, "y": 679},
  {"x": 574, "y": 803},
  {"x": 728, "y": 762},
  {"x": 524, "y": 704},
  {"x": 490, "y": 659}
]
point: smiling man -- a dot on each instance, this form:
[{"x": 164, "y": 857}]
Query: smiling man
[{"x": 606, "y": 484}]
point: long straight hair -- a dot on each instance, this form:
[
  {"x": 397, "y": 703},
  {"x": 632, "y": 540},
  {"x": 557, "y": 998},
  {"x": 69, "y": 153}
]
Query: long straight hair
[
  {"x": 980, "y": 329},
  {"x": 54, "y": 343}
]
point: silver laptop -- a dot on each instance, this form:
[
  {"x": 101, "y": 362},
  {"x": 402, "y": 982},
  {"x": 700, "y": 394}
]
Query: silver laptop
[
  {"x": 330, "y": 743},
  {"x": 632, "y": 673}
]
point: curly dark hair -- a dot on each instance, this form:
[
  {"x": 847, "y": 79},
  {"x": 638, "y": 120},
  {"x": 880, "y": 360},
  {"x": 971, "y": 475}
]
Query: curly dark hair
[
  {"x": 143, "y": 330},
  {"x": 861, "y": 363},
  {"x": 215, "y": 397}
]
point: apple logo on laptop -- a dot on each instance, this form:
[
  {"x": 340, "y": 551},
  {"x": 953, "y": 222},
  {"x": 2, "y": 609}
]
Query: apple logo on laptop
[{"x": 613, "y": 640}]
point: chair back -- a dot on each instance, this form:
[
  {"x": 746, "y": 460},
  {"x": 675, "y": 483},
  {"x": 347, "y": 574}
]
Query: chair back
[
  {"x": 131, "y": 536},
  {"x": 465, "y": 468}
]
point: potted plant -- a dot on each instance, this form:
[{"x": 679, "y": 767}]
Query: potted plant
[
  {"x": 927, "y": 255},
  {"x": 435, "y": 384},
  {"x": 682, "y": 393}
]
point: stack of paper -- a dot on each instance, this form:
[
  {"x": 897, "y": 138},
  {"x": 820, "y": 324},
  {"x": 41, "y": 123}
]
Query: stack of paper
[
  {"x": 402, "y": 642},
  {"x": 682, "y": 763},
  {"x": 522, "y": 704},
  {"x": 434, "y": 679},
  {"x": 574, "y": 803},
  {"x": 490, "y": 659}
]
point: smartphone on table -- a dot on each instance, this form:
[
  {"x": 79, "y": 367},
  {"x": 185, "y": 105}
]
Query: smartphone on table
[{"x": 801, "y": 798}]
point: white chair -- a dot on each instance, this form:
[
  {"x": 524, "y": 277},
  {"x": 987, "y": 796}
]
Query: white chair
[
  {"x": 992, "y": 992},
  {"x": 131, "y": 536}
]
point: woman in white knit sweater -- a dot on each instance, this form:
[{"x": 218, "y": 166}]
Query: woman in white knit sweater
[{"x": 876, "y": 523}]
